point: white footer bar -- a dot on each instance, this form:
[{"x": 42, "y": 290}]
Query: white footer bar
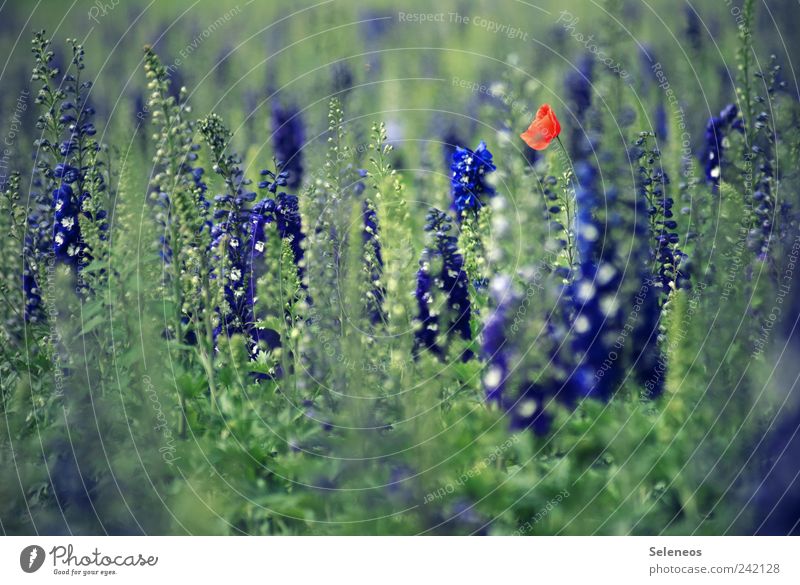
[{"x": 390, "y": 560}]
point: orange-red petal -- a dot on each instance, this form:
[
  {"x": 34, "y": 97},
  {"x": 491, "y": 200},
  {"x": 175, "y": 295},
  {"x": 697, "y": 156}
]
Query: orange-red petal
[
  {"x": 544, "y": 128},
  {"x": 534, "y": 138}
]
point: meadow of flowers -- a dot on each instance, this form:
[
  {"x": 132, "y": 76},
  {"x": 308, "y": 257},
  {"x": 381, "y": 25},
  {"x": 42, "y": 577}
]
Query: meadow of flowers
[{"x": 394, "y": 267}]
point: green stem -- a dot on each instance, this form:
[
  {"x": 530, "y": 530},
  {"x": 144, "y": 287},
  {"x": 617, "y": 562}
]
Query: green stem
[
  {"x": 208, "y": 360},
  {"x": 11, "y": 305},
  {"x": 568, "y": 204}
]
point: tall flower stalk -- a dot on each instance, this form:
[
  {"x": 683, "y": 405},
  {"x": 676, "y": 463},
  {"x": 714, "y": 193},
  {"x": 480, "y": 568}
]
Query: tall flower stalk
[
  {"x": 69, "y": 165},
  {"x": 13, "y": 224},
  {"x": 442, "y": 293},
  {"x": 183, "y": 212},
  {"x": 470, "y": 192},
  {"x": 238, "y": 240},
  {"x": 652, "y": 186},
  {"x": 716, "y": 137},
  {"x": 594, "y": 305},
  {"x": 566, "y": 203},
  {"x": 386, "y": 200},
  {"x": 765, "y": 223}
]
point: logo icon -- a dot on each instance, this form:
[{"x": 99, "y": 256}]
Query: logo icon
[{"x": 31, "y": 558}]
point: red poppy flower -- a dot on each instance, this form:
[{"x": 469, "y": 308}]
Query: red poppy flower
[{"x": 543, "y": 129}]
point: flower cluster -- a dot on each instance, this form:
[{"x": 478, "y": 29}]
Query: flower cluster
[
  {"x": 33, "y": 296},
  {"x": 37, "y": 247},
  {"x": 578, "y": 86},
  {"x": 559, "y": 210},
  {"x": 76, "y": 181},
  {"x": 717, "y": 129},
  {"x": 67, "y": 244},
  {"x": 288, "y": 140},
  {"x": 181, "y": 209},
  {"x": 290, "y": 228},
  {"x": 652, "y": 183},
  {"x": 775, "y": 501},
  {"x": 392, "y": 222},
  {"x": 427, "y": 331},
  {"x": 468, "y": 181},
  {"x": 14, "y": 223},
  {"x": 495, "y": 344},
  {"x": 343, "y": 78},
  {"x": 762, "y": 152},
  {"x": 285, "y": 210},
  {"x": 593, "y": 294},
  {"x": 373, "y": 261},
  {"x": 441, "y": 270},
  {"x": 644, "y": 310},
  {"x": 693, "y": 29},
  {"x": 188, "y": 197},
  {"x": 525, "y": 404},
  {"x": 238, "y": 237},
  {"x": 253, "y": 265}
]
